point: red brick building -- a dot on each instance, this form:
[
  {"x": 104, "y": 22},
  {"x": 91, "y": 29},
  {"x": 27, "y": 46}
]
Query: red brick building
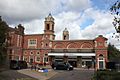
[{"x": 43, "y": 48}]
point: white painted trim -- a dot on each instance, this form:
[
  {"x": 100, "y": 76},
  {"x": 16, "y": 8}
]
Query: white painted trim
[
  {"x": 29, "y": 45},
  {"x": 101, "y": 61},
  {"x": 71, "y": 54},
  {"x": 36, "y": 59}
]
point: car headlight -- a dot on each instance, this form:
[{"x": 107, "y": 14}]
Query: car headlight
[{"x": 71, "y": 66}]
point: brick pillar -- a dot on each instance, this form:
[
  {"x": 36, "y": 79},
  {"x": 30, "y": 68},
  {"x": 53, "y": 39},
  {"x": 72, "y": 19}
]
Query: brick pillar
[
  {"x": 79, "y": 61},
  {"x": 93, "y": 62},
  {"x": 65, "y": 59},
  {"x": 51, "y": 59}
]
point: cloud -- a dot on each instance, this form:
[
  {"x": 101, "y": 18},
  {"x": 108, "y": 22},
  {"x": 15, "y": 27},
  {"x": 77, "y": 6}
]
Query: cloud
[
  {"x": 102, "y": 23},
  {"x": 70, "y": 21},
  {"x": 18, "y": 11},
  {"x": 27, "y": 10},
  {"x": 77, "y": 5}
]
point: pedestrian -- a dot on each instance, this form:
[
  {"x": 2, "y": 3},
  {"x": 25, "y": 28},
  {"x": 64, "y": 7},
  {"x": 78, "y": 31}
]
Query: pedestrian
[
  {"x": 52, "y": 65},
  {"x": 44, "y": 63},
  {"x": 31, "y": 67},
  {"x": 35, "y": 67}
]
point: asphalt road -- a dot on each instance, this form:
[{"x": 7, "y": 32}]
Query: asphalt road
[
  {"x": 14, "y": 75},
  {"x": 73, "y": 75}
]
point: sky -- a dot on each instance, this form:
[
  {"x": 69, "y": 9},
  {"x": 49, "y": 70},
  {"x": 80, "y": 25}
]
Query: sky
[{"x": 84, "y": 19}]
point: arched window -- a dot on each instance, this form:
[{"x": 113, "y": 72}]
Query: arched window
[
  {"x": 48, "y": 26},
  {"x": 101, "y": 62},
  {"x": 38, "y": 59}
]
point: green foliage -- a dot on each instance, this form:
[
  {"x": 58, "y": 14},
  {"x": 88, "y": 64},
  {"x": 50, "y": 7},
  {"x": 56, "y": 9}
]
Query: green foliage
[
  {"x": 3, "y": 34},
  {"x": 115, "y": 10},
  {"x": 106, "y": 75},
  {"x": 113, "y": 52}
]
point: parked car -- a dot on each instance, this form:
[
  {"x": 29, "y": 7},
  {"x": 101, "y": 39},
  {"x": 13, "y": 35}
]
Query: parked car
[
  {"x": 62, "y": 66},
  {"x": 14, "y": 64}
]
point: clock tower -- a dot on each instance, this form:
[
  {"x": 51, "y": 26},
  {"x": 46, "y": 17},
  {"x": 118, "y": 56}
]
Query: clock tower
[{"x": 49, "y": 27}]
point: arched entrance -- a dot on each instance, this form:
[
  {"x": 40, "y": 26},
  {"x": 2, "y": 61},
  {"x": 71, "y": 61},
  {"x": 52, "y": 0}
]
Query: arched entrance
[{"x": 101, "y": 62}]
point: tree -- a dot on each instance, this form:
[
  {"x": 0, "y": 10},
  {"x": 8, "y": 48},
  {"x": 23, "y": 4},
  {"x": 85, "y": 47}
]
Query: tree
[
  {"x": 115, "y": 10},
  {"x": 113, "y": 52},
  {"x": 3, "y": 35}
]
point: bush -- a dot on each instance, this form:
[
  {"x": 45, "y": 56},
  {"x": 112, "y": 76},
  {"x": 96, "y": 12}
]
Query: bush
[{"x": 106, "y": 75}]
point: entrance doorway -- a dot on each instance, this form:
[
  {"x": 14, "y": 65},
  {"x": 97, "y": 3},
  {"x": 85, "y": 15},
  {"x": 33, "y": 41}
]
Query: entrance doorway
[
  {"x": 86, "y": 64},
  {"x": 101, "y": 62},
  {"x": 73, "y": 63}
]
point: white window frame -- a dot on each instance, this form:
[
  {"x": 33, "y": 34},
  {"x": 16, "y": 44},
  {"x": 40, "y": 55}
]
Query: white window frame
[
  {"x": 26, "y": 57},
  {"x": 44, "y": 59},
  {"x": 103, "y": 60},
  {"x": 31, "y": 52},
  {"x": 37, "y": 53},
  {"x": 31, "y": 58},
  {"x": 36, "y": 59},
  {"x": 29, "y": 45}
]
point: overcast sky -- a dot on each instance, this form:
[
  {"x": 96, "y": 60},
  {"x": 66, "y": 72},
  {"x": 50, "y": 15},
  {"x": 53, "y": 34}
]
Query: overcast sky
[{"x": 84, "y": 19}]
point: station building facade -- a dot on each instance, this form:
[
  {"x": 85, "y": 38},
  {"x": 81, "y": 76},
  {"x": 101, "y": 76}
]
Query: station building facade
[{"x": 43, "y": 48}]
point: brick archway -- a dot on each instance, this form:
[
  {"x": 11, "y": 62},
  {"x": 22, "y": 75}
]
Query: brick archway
[
  {"x": 72, "y": 45},
  {"x": 86, "y": 45},
  {"x": 59, "y": 46}
]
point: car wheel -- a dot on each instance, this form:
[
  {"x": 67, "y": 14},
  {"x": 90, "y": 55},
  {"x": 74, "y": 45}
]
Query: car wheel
[
  {"x": 19, "y": 68},
  {"x": 54, "y": 68},
  {"x": 68, "y": 69}
]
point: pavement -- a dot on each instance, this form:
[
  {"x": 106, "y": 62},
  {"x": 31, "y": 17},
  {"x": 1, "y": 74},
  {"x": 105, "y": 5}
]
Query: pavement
[
  {"x": 28, "y": 74},
  {"x": 38, "y": 75}
]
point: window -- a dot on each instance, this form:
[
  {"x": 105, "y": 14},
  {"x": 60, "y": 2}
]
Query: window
[
  {"x": 46, "y": 54},
  {"x": 48, "y": 26},
  {"x": 37, "y": 58},
  {"x": 26, "y": 59},
  {"x": 32, "y": 42},
  {"x": 100, "y": 44},
  {"x": 46, "y": 44},
  {"x": 31, "y": 53},
  {"x": 25, "y": 53},
  {"x": 64, "y": 37},
  {"x": 45, "y": 59},
  {"x": 101, "y": 64},
  {"x": 38, "y": 53}
]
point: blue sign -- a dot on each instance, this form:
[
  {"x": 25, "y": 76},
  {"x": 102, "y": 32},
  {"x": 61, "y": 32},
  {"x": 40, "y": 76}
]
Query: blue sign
[{"x": 46, "y": 70}]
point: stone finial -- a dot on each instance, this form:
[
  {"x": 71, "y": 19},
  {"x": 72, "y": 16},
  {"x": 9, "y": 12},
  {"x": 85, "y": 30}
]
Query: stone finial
[
  {"x": 65, "y": 29},
  {"x": 49, "y": 18}
]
